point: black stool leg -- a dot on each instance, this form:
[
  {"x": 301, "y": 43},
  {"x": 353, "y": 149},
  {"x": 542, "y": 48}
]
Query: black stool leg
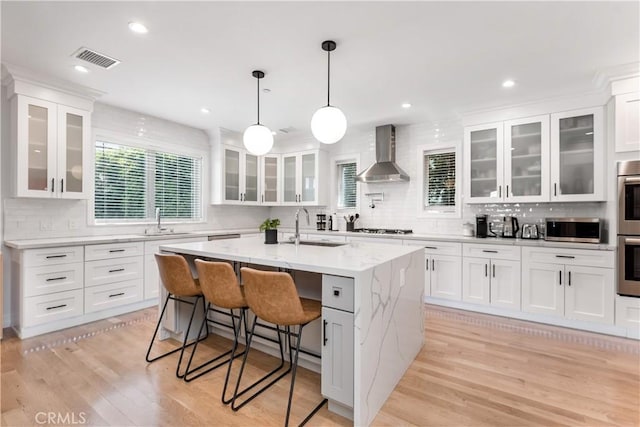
[
  {"x": 186, "y": 335},
  {"x": 164, "y": 307},
  {"x": 237, "y": 393},
  {"x": 236, "y": 338}
]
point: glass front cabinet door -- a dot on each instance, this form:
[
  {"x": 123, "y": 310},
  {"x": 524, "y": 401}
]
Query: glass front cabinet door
[
  {"x": 577, "y": 155},
  {"x": 290, "y": 178},
  {"x": 484, "y": 159},
  {"x": 52, "y": 155},
  {"x": 526, "y": 156},
  {"x": 271, "y": 165}
]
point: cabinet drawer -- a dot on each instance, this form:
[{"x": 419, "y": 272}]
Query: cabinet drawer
[
  {"x": 111, "y": 295},
  {"x": 153, "y": 247},
  {"x": 337, "y": 292},
  {"x": 112, "y": 270},
  {"x": 437, "y": 248},
  {"x": 491, "y": 251},
  {"x": 113, "y": 250},
  {"x": 52, "y": 307},
  {"x": 52, "y": 256},
  {"x": 590, "y": 258},
  {"x": 52, "y": 278}
]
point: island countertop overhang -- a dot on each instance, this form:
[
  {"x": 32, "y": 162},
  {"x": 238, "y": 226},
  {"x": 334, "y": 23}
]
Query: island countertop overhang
[{"x": 347, "y": 260}]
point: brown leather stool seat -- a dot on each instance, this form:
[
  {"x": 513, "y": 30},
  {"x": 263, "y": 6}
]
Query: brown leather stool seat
[
  {"x": 220, "y": 287},
  {"x": 273, "y": 297},
  {"x": 176, "y": 277}
]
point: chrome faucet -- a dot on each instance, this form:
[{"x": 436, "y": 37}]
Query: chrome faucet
[
  {"x": 158, "y": 227},
  {"x": 297, "y": 235}
]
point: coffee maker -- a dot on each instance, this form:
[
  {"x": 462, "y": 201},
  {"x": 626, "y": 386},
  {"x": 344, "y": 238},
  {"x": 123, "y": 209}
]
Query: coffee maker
[{"x": 482, "y": 225}]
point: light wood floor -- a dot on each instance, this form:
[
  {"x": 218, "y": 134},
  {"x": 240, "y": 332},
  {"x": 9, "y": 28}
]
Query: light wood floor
[{"x": 473, "y": 370}]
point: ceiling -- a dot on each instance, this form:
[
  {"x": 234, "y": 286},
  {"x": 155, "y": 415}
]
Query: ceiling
[{"x": 444, "y": 58}]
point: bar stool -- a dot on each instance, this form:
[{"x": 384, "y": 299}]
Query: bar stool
[
  {"x": 179, "y": 283},
  {"x": 220, "y": 287},
  {"x": 273, "y": 297}
]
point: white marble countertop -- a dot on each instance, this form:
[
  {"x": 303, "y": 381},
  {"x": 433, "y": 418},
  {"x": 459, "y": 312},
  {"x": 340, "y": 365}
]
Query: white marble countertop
[
  {"x": 463, "y": 239},
  {"x": 343, "y": 260},
  {"x": 119, "y": 238}
]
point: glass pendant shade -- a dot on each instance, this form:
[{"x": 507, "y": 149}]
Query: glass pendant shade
[
  {"x": 328, "y": 124},
  {"x": 258, "y": 139}
]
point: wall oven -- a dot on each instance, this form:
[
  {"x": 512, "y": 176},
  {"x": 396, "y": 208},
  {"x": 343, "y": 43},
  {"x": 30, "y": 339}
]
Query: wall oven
[{"x": 629, "y": 228}]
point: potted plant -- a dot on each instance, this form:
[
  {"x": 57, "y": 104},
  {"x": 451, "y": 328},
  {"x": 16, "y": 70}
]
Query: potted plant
[{"x": 270, "y": 228}]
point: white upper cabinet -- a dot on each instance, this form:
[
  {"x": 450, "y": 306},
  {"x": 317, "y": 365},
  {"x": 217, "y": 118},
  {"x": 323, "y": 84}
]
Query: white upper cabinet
[
  {"x": 627, "y": 122},
  {"x": 271, "y": 165},
  {"x": 300, "y": 178},
  {"x": 577, "y": 155},
  {"x": 240, "y": 175},
  {"x": 536, "y": 159},
  {"x": 51, "y": 146},
  {"x": 483, "y": 155},
  {"x": 526, "y": 157}
]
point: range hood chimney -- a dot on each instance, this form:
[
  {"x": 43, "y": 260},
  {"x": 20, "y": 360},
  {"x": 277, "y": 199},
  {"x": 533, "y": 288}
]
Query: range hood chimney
[{"x": 385, "y": 168}]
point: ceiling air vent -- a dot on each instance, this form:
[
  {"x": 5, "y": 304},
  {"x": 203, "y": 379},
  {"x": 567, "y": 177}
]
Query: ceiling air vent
[{"x": 95, "y": 58}]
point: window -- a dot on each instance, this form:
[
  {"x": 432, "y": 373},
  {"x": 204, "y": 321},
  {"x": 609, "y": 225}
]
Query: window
[
  {"x": 440, "y": 181},
  {"x": 130, "y": 183},
  {"x": 347, "y": 191}
]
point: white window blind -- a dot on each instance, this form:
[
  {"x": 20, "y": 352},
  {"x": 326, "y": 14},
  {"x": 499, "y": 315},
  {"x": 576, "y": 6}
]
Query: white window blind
[
  {"x": 131, "y": 182},
  {"x": 439, "y": 180},
  {"x": 347, "y": 191}
]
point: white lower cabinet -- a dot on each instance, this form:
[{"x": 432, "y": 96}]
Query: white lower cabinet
[
  {"x": 102, "y": 297},
  {"x": 43, "y": 309},
  {"x": 492, "y": 275},
  {"x": 337, "y": 339},
  {"x": 576, "y": 292},
  {"x": 442, "y": 263}
]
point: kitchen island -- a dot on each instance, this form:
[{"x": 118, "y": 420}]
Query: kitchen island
[{"x": 372, "y": 302}]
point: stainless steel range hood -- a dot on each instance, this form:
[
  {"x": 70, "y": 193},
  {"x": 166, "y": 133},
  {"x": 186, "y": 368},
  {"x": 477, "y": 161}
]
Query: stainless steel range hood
[{"x": 385, "y": 168}]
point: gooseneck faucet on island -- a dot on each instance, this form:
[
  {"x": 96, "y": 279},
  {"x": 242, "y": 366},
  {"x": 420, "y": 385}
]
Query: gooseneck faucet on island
[{"x": 297, "y": 235}]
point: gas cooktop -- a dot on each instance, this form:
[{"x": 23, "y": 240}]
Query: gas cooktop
[{"x": 382, "y": 231}]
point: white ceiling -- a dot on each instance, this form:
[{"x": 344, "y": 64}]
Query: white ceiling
[{"x": 443, "y": 57}]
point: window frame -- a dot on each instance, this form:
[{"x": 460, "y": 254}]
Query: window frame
[
  {"x": 440, "y": 147},
  {"x": 335, "y": 162},
  {"x": 146, "y": 144}
]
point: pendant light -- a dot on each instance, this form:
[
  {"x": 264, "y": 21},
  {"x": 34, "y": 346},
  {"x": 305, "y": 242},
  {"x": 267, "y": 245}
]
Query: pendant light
[
  {"x": 257, "y": 138},
  {"x": 329, "y": 123}
]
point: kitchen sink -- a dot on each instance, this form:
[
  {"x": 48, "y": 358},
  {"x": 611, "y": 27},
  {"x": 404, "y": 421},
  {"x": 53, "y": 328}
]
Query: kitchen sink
[
  {"x": 166, "y": 233},
  {"x": 317, "y": 243}
]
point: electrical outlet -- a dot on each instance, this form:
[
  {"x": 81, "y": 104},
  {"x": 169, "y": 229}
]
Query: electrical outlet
[{"x": 45, "y": 225}]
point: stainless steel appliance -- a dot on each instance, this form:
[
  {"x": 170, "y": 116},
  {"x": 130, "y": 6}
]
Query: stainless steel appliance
[
  {"x": 510, "y": 226},
  {"x": 529, "y": 231},
  {"x": 581, "y": 230},
  {"x": 385, "y": 168},
  {"x": 629, "y": 197},
  {"x": 629, "y": 228}
]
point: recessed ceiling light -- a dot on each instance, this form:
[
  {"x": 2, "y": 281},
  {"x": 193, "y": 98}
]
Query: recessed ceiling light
[
  {"x": 81, "y": 69},
  {"x": 508, "y": 83},
  {"x": 406, "y": 105},
  {"x": 137, "y": 27},
  {"x": 205, "y": 110}
]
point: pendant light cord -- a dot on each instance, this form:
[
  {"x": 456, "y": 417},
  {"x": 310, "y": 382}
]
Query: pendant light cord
[
  {"x": 328, "y": 75},
  {"x": 258, "y": 100}
]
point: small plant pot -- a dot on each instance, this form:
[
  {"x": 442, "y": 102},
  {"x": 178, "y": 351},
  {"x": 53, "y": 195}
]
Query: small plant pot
[{"x": 270, "y": 237}]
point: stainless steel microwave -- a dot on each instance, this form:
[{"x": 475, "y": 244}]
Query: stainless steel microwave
[{"x": 582, "y": 230}]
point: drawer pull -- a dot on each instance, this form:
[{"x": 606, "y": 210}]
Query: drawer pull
[
  {"x": 116, "y": 295},
  {"x": 56, "y": 256},
  {"x": 116, "y": 270},
  {"x": 56, "y": 306},
  {"x": 431, "y": 247},
  {"x": 51, "y": 279},
  {"x": 115, "y": 250},
  {"x": 565, "y": 256},
  {"x": 324, "y": 333},
  {"x": 336, "y": 292},
  {"x": 489, "y": 251}
]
